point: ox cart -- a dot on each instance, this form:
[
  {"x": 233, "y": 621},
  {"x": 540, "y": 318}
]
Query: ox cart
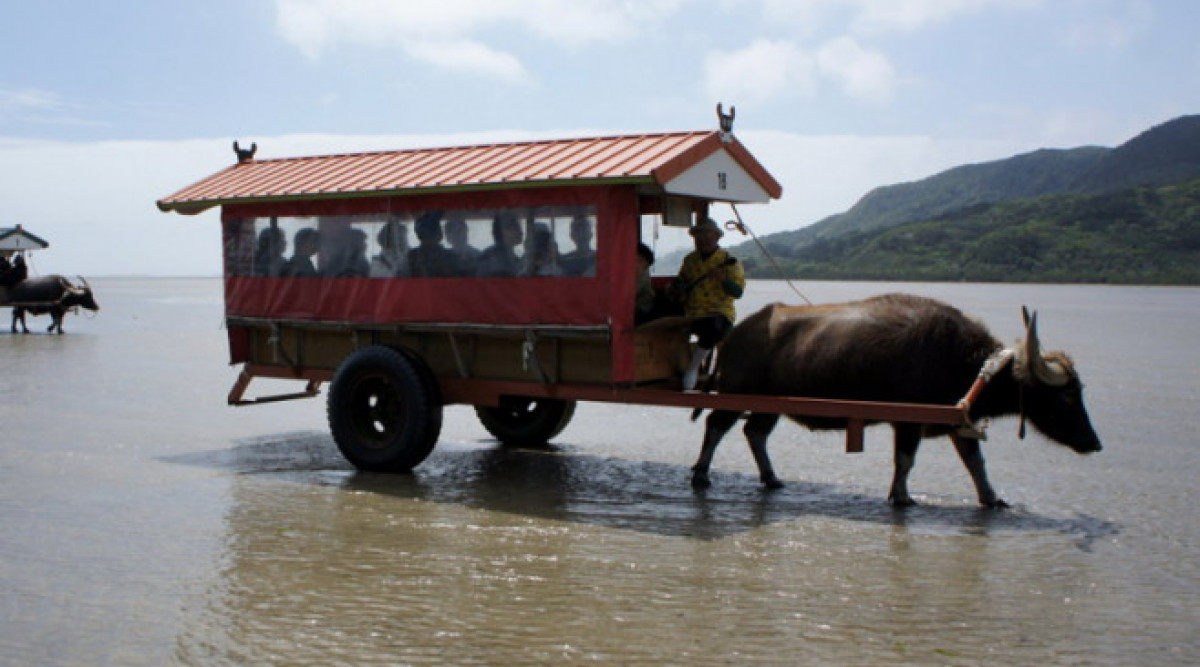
[
  {"x": 53, "y": 295},
  {"x": 364, "y": 271}
]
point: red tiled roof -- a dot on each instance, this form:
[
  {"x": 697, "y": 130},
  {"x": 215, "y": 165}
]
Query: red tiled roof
[{"x": 642, "y": 158}]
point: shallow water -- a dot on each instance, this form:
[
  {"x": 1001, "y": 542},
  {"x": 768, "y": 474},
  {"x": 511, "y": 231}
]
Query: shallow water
[{"x": 148, "y": 523}]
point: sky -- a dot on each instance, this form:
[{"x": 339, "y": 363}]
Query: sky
[{"x": 105, "y": 107}]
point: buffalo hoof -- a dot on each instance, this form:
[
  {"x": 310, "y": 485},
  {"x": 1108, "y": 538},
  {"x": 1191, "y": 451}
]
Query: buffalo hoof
[
  {"x": 772, "y": 484},
  {"x": 700, "y": 481},
  {"x": 901, "y": 502},
  {"x": 997, "y": 504}
]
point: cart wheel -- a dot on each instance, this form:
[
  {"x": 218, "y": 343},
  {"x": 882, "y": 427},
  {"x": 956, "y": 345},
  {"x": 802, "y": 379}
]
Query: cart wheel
[
  {"x": 526, "y": 422},
  {"x": 384, "y": 410}
]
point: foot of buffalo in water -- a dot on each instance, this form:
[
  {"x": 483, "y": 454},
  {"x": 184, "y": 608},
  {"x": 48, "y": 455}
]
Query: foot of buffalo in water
[
  {"x": 758, "y": 427},
  {"x": 908, "y": 439}
]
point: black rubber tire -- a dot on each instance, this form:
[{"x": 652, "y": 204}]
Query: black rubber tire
[
  {"x": 431, "y": 387},
  {"x": 384, "y": 410},
  {"x": 526, "y": 422}
]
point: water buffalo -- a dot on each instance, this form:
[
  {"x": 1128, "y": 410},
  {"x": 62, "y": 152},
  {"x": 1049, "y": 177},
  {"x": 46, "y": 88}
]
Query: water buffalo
[
  {"x": 53, "y": 295},
  {"x": 897, "y": 348}
]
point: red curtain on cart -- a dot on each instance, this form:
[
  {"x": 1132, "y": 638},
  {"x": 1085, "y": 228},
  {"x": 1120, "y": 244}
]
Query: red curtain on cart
[{"x": 600, "y": 299}]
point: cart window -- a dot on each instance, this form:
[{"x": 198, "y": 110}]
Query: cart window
[{"x": 551, "y": 241}]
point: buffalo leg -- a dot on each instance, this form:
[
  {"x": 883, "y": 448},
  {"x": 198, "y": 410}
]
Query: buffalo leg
[
  {"x": 19, "y": 316},
  {"x": 972, "y": 458},
  {"x": 907, "y": 439},
  {"x": 715, "y": 427},
  {"x": 758, "y": 428}
]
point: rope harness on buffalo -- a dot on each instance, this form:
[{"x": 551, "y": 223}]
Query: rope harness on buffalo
[{"x": 992, "y": 366}]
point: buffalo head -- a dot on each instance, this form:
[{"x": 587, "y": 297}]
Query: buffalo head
[
  {"x": 79, "y": 296},
  {"x": 1052, "y": 394}
]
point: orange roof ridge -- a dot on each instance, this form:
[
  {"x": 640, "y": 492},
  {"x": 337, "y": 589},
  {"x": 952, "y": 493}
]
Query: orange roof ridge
[{"x": 648, "y": 157}]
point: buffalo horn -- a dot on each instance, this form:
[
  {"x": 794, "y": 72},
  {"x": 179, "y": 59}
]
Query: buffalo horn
[
  {"x": 1036, "y": 365},
  {"x": 67, "y": 287}
]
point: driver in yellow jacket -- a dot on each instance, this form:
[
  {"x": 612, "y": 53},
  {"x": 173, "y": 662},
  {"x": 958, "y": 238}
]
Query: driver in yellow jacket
[{"x": 708, "y": 282}]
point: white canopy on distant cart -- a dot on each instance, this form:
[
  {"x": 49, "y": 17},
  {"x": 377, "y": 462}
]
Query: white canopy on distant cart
[{"x": 15, "y": 239}]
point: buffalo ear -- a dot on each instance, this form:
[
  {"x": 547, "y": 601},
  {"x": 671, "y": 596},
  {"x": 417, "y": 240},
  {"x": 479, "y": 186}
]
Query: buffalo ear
[{"x": 1025, "y": 317}]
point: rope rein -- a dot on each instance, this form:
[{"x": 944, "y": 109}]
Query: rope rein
[{"x": 739, "y": 225}]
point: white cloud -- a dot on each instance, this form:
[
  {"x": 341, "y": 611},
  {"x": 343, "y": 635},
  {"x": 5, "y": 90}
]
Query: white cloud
[
  {"x": 29, "y": 99},
  {"x": 41, "y": 107},
  {"x": 874, "y": 17},
  {"x": 762, "y": 71},
  {"x": 1112, "y": 30},
  {"x": 450, "y": 33},
  {"x": 469, "y": 57},
  {"x": 771, "y": 69},
  {"x": 861, "y": 74}
]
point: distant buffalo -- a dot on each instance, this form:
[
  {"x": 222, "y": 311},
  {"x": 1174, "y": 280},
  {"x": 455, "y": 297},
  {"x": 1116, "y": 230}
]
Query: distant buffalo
[
  {"x": 895, "y": 348},
  {"x": 53, "y": 295}
]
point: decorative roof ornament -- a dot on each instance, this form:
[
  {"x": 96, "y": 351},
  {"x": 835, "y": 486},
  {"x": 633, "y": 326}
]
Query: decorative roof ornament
[
  {"x": 245, "y": 154},
  {"x": 726, "y": 121}
]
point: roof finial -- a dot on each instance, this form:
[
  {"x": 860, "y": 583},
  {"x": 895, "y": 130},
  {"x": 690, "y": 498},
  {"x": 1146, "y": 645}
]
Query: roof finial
[
  {"x": 245, "y": 154},
  {"x": 726, "y": 120}
]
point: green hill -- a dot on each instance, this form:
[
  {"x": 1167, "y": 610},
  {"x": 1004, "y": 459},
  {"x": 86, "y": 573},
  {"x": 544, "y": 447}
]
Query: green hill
[
  {"x": 1145, "y": 235},
  {"x": 994, "y": 195}
]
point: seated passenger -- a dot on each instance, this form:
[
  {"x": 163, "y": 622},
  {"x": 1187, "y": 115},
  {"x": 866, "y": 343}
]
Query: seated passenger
[
  {"x": 301, "y": 265},
  {"x": 19, "y": 271},
  {"x": 430, "y": 259},
  {"x": 645, "y": 298},
  {"x": 500, "y": 259},
  {"x": 541, "y": 257},
  {"x": 268, "y": 253},
  {"x": 392, "y": 260},
  {"x": 348, "y": 255},
  {"x": 12, "y": 274},
  {"x": 465, "y": 255},
  {"x": 582, "y": 260}
]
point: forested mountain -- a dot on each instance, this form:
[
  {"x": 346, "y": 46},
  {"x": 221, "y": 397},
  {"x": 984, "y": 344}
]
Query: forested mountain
[
  {"x": 1090, "y": 214},
  {"x": 1147, "y": 235},
  {"x": 1163, "y": 155}
]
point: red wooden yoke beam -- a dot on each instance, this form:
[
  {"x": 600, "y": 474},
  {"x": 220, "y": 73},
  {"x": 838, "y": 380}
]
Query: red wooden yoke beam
[
  {"x": 488, "y": 392},
  {"x": 856, "y": 413}
]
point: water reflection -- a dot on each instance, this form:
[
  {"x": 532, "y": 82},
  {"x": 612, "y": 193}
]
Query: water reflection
[
  {"x": 559, "y": 484},
  {"x": 492, "y": 555}
]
